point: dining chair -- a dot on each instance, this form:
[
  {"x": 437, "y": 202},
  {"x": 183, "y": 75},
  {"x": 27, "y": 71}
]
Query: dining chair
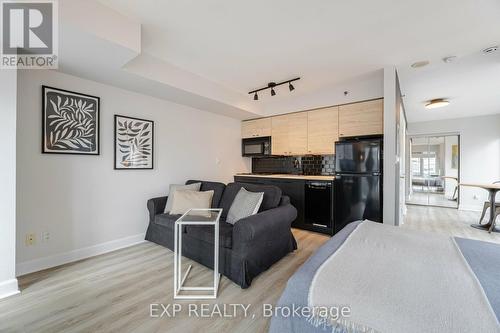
[{"x": 486, "y": 205}]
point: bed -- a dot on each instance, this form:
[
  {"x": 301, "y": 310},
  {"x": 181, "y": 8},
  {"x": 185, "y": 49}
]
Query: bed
[{"x": 393, "y": 280}]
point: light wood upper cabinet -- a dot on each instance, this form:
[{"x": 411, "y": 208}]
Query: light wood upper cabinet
[
  {"x": 322, "y": 130},
  {"x": 315, "y": 131},
  {"x": 297, "y": 133},
  {"x": 256, "y": 128},
  {"x": 365, "y": 118},
  {"x": 289, "y": 134},
  {"x": 280, "y": 144}
]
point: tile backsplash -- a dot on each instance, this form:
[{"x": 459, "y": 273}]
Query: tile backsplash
[
  {"x": 307, "y": 165},
  {"x": 328, "y": 165},
  {"x": 283, "y": 164}
]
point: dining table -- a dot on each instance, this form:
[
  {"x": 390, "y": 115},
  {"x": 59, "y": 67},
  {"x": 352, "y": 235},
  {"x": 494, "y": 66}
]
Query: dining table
[{"x": 492, "y": 190}]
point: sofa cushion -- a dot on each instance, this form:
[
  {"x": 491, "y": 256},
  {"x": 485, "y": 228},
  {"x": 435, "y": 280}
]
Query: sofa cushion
[
  {"x": 218, "y": 189},
  {"x": 206, "y": 234},
  {"x": 272, "y": 196},
  {"x": 166, "y": 220}
]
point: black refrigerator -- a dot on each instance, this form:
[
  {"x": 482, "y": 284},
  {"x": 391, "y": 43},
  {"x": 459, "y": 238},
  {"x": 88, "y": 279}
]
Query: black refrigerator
[{"x": 358, "y": 181}]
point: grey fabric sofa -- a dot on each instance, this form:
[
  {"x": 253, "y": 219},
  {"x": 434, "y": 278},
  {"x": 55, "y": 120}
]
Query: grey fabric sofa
[{"x": 246, "y": 249}]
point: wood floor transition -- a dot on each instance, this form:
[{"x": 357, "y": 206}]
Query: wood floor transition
[{"x": 113, "y": 292}]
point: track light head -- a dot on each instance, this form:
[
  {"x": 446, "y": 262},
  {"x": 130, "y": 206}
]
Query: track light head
[
  {"x": 273, "y": 93},
  {"x": 290, "y": 86},
  {"x": 255, "y": 97}
]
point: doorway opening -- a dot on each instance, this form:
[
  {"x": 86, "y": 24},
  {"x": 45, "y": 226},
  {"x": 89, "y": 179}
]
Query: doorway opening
[{"x": 434, "y": 163}]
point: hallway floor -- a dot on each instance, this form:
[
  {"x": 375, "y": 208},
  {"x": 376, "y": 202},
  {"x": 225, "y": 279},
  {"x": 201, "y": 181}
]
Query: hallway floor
[{"x": 449, "y": 221}]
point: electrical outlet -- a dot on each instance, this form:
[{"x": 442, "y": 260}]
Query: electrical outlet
[
  {"x": 45, "y": 236},
  {"x": 30, "y": 239}
]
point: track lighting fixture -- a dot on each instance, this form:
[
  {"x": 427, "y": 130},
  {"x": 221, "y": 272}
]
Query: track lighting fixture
[{"x": 272, "y": 85}]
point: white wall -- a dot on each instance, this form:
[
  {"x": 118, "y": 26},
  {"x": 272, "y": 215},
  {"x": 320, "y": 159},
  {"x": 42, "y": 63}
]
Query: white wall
[
  {"x": 8, "y": 282},
  {"x": 392, "y": 111},
  {"x": 86, "y": 205},
  {"x": 479, "y": 152}
]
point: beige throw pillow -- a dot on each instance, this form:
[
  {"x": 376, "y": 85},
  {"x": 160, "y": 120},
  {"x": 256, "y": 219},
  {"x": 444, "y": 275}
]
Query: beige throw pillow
[
  {"x": 184, "y": 200},
  {"x": 175, "y": 187}
]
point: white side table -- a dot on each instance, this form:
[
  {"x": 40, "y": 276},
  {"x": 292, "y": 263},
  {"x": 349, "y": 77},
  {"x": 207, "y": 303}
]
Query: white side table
[{"x": 195, "y": 217}]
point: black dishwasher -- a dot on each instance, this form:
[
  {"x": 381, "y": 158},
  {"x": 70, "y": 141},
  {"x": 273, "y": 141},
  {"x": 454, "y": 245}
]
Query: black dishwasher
[{"x": 319, "y": 205}]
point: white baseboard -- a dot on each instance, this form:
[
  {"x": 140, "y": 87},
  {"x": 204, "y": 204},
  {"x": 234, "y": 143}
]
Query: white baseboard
[
  {"x": 473, "y": 208},
  {"x": 79, "y": 254},
  {"x": 8, "y": 288}
]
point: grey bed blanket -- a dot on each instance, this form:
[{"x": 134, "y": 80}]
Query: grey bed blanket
[
  {"x": 482, "y": 257},
  {"x": 297, "y": 288}
]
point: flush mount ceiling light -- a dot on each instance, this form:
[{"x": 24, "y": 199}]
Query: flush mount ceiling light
[
  {"x": 272, "y": 85},
  {"x": 420, "y": 64},
  {"x": 436, "y": 103}
]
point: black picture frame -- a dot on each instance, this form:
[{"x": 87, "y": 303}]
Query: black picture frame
[
  {"x": 146, "y": 164},
  {"x": 80, "y": 145}
]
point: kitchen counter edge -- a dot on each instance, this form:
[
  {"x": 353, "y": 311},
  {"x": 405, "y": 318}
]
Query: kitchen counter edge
[{"x": 286, "y": 176}]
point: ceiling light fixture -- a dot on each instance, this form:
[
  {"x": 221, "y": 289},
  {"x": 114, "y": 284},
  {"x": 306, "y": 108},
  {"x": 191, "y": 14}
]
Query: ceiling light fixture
[
  {"x": 436, "y": 103},
  {"x": 420, "y": 64},
  {"x": 272, "y": 85}
]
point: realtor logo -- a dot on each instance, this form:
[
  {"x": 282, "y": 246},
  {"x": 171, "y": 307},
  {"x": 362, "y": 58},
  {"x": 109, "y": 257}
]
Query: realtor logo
[{"x": 29, "y": 34}]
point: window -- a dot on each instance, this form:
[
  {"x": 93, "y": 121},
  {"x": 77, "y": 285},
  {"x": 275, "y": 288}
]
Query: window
[
  {"x": 416, "y": 166},
  {"x": 430, "y": 165}
]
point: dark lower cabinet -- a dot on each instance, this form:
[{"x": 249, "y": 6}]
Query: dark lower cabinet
[{"x": 295, "y": 189}]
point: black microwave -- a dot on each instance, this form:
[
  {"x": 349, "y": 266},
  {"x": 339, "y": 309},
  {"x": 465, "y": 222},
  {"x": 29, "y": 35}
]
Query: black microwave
[{"x": 254, "y": 147}]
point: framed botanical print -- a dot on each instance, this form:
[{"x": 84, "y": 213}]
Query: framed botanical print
[
  {"x": 133, "y": 143},
  {"x": 70, "y": 122}
]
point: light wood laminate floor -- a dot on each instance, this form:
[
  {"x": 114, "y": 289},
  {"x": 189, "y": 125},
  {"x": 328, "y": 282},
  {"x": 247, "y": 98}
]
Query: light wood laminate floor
[
  {"x": 448, "y": 221},
  {"x": 113, "y": 292}
]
